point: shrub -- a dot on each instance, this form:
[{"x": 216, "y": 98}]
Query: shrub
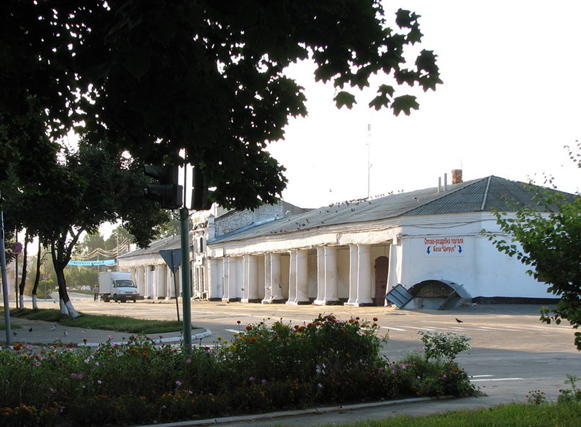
[
  {"x": 264, "y": 368},
  {"x": 570, "y": 395},
  {"x": 439, "y": 345},
  {"x": 416, "y": 375}
]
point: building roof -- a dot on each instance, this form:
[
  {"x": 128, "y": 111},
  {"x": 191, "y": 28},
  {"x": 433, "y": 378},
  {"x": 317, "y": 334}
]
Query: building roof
[
  {"x": 172, "y": 242},
  {"x": 479, "y": 195}
]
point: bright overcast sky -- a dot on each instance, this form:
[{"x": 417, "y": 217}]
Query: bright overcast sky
[{"x": 510, "y": 102}]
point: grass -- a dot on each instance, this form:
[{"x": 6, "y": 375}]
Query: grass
[
  {"x": 514, "y": 415},
  {"x": 93, "y": 321}
]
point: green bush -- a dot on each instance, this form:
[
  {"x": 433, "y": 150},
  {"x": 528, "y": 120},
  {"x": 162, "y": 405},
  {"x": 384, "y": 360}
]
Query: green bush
[
  {"x": 439, "y": 345},
  {"x": 572, "y": 395},
  {"x": 264, "y": 368}
]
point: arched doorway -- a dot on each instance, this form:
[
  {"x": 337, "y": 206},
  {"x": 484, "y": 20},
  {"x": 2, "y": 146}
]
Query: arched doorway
[
  {"x": 381, "y": 269},
  {"x": 437, "y": 295}
]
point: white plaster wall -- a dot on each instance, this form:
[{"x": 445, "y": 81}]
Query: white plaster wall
[
  {"x": 284, "y": 272},
  {"x": 481, "y": 268},
  {"x": 501, "y": 275},
  {"x": 343, "y": 273},
  {"x": 260, "y": 266},
  {"x": 313, "y": 274}
]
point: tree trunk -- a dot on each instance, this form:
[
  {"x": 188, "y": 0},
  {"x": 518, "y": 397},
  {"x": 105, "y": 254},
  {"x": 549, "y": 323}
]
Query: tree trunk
[
  {"x": 66, "y": 306},
  {"x": 37, "y": 277},
  {"x": 23, "y": 275}
]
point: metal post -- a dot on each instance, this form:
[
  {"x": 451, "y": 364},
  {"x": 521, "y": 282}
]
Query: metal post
[
  {"x": 187, "y": 293},
  {"x": 4, "y": 281},
  {"x": 175, "y": 285}
]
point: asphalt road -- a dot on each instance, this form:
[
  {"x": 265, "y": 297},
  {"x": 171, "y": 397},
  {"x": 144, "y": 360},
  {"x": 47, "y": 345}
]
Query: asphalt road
[{"x": 512, "y": 351}]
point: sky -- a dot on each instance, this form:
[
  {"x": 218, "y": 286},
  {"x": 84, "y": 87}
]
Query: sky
[{"x": 510, "y": 102}]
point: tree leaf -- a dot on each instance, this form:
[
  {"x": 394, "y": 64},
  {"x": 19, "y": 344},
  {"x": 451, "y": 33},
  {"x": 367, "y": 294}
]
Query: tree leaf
[
  {"x": 344, "y": 98},
  {"x": 404, "y": 103}
]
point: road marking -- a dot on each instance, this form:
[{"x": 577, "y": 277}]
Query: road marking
[
  {"x": 234, "y": 331},
  {"x": 481, "y": 376},
  {"x": 393, "y": 329},
  {"x": 496, "y": 379}
]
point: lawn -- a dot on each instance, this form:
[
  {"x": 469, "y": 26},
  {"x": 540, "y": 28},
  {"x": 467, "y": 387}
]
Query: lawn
[{"x": 107, "y": 323}]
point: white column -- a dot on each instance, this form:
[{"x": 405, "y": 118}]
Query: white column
[
  {"x": 170, "y": 284},
  {"x": 214, "y": 280},
  {"x": 331, "y": 294},
  {"x": 244, "y": 287},
  {"x": 353, "y": 274},
  {"x": 275, "y": 277},
  {"x": 267, "y": 280},
  {"x": 160, "y": 279},
  {"x": 320, "y": 300},
  {"x": 251, "y": 279},
  {"x": 238, "y": 277},
  {"x": 196, "y": 284},
  {"x": 302, "y": 277},
  {"x": 364, "y": 276},
  {"x": 292, "y": 281},
  {"x": 392, "y": 273},
  {"x": 140, "y": 280},
  {"x": 225, "y": 279},
  {"x": 148, "y": 282},
  {"x": 204, "y": 281}
]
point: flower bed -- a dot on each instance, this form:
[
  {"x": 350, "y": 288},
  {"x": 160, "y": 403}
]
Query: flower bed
[{"x": 265, "y": 368}]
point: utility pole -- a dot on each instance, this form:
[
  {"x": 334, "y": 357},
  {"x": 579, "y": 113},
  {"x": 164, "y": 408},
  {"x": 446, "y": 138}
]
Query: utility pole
[
  {"x": 187, "y": 292},
  {"x": 4, "y": 280}
]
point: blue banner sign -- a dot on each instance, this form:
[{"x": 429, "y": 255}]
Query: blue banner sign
[{"x": 88, "y": 263}]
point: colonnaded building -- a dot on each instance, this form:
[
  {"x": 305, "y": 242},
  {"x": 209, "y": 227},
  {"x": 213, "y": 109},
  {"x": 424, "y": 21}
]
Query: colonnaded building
[{"x": 424, "y": 248}]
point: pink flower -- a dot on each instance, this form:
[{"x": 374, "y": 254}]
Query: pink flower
[{"x": 178, "y": 383}]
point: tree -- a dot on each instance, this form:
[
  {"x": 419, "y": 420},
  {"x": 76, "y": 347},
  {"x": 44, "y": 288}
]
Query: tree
[
  {"x": 548, "y": 239},
  {"x": 206, "y": 76},
  {"x": 92, "y": 185}
]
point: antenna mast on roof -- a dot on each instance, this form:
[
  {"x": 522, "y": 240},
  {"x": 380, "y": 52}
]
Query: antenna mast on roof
[{"x": 369, "y": 160}]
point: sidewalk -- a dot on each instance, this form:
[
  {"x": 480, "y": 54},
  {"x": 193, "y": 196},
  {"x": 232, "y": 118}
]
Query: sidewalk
[{"x": 38, "y": 332}]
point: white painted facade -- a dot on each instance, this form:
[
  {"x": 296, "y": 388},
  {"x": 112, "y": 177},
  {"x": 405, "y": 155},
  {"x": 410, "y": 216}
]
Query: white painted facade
[
  {"x": 348, "y": 254},
  {"x": 337, "y": 265}
]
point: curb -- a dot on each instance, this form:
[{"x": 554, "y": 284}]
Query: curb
[
  {"x": 295, "y": 413},
  {"x": 198, "y": 336}
]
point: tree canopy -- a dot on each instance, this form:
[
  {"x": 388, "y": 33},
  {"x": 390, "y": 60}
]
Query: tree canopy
[
  {"x": 548, "y": 239},
  {"x": 92, "y": 184},
  {"x": 157, "y": 76}
]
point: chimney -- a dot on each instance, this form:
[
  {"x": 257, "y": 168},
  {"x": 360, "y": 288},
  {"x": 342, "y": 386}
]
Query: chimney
[
  {"x": 445, "y": 182},
  {"x": 456, "y": 176},
  {"x": 439, "y": 185}
]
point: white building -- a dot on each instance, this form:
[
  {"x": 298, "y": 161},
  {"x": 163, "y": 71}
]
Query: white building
[{"x": 353, "y": 253}]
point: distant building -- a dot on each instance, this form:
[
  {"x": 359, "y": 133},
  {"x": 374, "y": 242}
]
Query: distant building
[
  {"x": 151, "y": 274},
  {"x": 427, "y": 241}
]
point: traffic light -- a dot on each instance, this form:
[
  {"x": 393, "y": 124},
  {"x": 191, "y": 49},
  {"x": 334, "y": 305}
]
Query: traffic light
[
  {"x": 200, "y": 193},
  {"x": 167, "y": 193}
]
